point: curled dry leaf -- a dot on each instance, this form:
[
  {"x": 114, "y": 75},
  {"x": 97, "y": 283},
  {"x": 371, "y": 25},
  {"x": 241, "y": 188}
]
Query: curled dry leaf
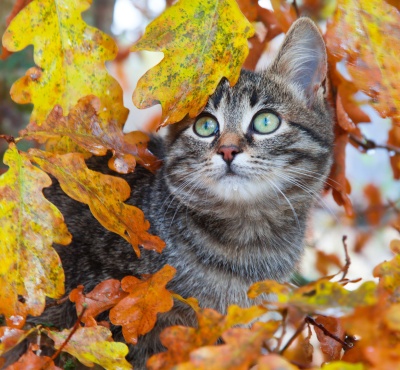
[
  {"x": 205, "y": 40},
  {"x": 70, "y": 58},
  {"x": 93, "y": 345},
  {"x": 137, "y": 312},
  {"x": 88, "y": 129},
  {"x": 103, "y": 194},
  {"x": 30, "y": 268},
  {"x": 103, "y": 297}
]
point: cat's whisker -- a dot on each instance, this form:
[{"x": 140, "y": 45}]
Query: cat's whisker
[{"x": 288, "y": 201}]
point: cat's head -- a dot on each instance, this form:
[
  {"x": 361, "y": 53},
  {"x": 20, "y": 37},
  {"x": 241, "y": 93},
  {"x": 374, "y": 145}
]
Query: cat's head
[{"x": 270, "y": 135}]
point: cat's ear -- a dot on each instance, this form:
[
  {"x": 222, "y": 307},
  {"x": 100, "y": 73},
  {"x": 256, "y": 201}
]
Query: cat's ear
[{"x": 302, "y": 58}]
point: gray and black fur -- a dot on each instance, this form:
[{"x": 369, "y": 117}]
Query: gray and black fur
[{"x": 226, "y": 224}]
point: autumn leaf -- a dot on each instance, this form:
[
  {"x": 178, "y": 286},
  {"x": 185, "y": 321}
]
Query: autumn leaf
[
  {"x": 341, "y": 365},
  {"x": 181, "y": 340},
  {"x": 202, "y": 41},
  {"x": 4, "y": 22},
  {"x": 274, "y": 362},
  {"x": 241, "y": 349},
  {"x": 280, "y": 291},
  {"x": 31, "y": 361},
  {"x": 103, "y": 194},
  {"x": 394, "y": 139},
  {"x": 103, "y": 297},
  {"x": 10, "y": 337},
  {"x": 330, "y": 347},
  {"x": 84, "y": 126},
  {"x": 93, "y": 345},
  {"x": 284, "y": 12},
  {"x": 137, "y": 313},
  {"x": 365, "y": 34},
  {"x": 30, "y": 268},
  {"x": 70, "y": 59}
]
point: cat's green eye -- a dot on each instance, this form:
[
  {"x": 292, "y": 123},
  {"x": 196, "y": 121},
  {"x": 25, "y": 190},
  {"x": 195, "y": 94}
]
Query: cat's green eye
[
  {"x": 206, "y": 126},
  {"x": 266, "y": 123}
]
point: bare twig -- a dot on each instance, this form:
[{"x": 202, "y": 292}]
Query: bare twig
[
  {"x": 74, "y": 329},
  {"x": 348, "y": 260},
  {"x": 57, "y": 302},
  {"x": 293, "y": 337},
  {"x": 311, "y": 321},
  {"x": 367, "y": 144}
]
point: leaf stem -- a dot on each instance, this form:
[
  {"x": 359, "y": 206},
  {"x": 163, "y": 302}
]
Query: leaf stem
[{"x": 368, "y": 144}]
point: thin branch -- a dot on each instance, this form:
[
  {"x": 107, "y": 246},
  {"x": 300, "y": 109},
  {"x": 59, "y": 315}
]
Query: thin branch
[
  {"x": 368, "y": 144},
  {"x": 311, "y": 321},
  {"x": 57, "y": 302},
  {"x": 348, "y": 260},
  {"x": 74, "y": 329},
  {"x": 293, "y": 337}
]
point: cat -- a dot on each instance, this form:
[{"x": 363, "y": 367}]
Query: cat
[{"x": 232, "y": 198}]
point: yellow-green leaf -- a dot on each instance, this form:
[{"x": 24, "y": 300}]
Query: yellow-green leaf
[
  {"x": 70, "y": 59},
  {"x": 202, "y": 41},
  {"x": 103, "y": 194},
  {"x": 30, "y": 268},
  {"x": 366, "y": 34},
  {"x": 93, "y": 345}
]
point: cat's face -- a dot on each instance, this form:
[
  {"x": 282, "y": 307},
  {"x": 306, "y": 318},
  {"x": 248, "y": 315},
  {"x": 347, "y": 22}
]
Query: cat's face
[{"x": 268, "y": 136}]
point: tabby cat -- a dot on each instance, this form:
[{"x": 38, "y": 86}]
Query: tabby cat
[{"x": 232, "y": 198}]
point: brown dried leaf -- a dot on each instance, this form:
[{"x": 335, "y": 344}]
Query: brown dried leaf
[
  {"x": 103, "y": 297},
  {"x": 329, "y": 346}
]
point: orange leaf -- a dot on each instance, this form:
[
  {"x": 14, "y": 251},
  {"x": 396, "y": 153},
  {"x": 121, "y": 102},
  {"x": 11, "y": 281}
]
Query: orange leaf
[
  {"x": 365, "y": 34},
  {"x": 394, "y": 139},
  {"x": 103, "y": 194},
  {"x": 331, "y": 348},
  {"x": 103, "y": 297},
  {"x": 274, "y": 362},
  {"x": 30, "y": 361},
  {"x": 324, "y": 260},
  {"x": 337, "y": 180},
  {"x": 285, "y": 13},
  {"x": 10, "y": 337},
  {"x": 375, "y": 209},
  {"x": 137, "y": 313},
  {"x": 181, "y": 340},
  {"x": 84, "y": 126},
  {"x": 242, "y": 348}
]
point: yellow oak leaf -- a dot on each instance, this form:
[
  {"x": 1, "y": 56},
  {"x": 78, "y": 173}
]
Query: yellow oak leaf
[
  {"x": 103, "y": 194},
  {"x": 84, "y": 126},
  {"x": 30, "y": 268},
  {"x": 70, "y": 59},
  {"x": 366, "y": 34},
  {"x": 202, "y": 41},
  {"x": 93, "y": 345},
  {"x": 137, "y": 313}
]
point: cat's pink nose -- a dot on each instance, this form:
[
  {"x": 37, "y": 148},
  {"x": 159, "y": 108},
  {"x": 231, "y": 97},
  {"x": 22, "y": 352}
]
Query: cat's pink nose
[{"x": 228, "y": 152}]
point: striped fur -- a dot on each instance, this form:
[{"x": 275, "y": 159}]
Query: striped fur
[{"x": 225, "y": 227}]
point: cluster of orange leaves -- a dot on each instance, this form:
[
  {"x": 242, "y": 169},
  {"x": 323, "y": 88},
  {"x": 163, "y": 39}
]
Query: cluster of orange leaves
[{"x": 78, "y": 112}]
